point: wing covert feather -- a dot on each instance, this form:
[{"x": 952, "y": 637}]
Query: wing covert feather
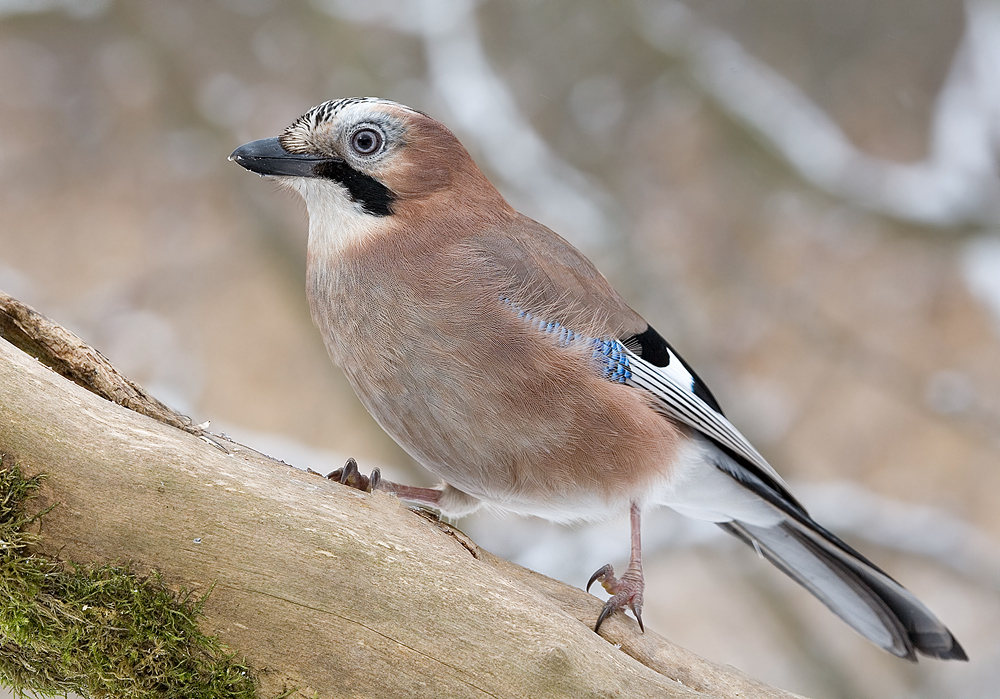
[{"x": 543, "y": 273}]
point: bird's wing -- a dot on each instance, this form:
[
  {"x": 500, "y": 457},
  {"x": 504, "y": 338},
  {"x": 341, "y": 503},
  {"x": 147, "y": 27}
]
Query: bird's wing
[
  {"x": 551, "y": 285},
  {"x": 551, "y": 281},
  {"x": 682, "y": 396}
]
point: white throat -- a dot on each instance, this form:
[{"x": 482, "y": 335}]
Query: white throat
[{"x": 335, "y": 222}]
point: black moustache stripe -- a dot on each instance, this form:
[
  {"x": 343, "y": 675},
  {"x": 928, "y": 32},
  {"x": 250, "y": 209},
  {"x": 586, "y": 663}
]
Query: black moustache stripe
[{"x": 375, "y": 198}]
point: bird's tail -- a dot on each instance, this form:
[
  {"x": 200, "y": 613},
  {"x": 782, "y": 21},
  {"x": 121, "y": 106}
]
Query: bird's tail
[{"x": 854, "y": 588}]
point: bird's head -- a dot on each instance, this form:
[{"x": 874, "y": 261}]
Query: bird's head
[{"x": 360, "y": 159}]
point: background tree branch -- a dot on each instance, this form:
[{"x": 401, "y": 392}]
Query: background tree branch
[{"x": 323, "y": 588}]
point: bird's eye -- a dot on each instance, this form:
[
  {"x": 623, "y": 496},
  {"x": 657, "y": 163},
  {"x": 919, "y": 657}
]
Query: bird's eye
[{"x": 366, "y": 141}]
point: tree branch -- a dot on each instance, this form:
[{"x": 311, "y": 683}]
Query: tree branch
[{"x": 321, "y": 587}]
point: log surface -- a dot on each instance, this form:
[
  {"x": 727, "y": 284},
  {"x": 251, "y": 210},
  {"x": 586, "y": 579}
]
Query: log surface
[{"x": 323, "y": 588}]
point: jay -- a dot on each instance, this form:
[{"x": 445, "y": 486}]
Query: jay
[{"x": 498, "y": 356}]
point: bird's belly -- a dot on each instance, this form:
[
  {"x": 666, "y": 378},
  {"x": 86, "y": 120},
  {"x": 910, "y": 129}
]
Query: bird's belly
[{"x": 565, "y": 445}]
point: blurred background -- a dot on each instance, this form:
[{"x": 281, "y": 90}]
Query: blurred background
[{"x": 801, "y": 194}]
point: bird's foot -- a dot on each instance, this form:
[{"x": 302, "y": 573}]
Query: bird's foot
[
  {"x": 350, "y": 476},
  {"x": 625, "y": 591}
]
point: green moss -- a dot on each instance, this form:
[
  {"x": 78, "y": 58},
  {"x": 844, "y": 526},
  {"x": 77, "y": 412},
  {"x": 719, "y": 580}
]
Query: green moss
[{"x": 101, "y": 631}]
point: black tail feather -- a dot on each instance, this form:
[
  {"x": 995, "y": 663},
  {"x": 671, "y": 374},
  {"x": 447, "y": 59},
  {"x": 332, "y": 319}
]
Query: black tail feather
[{"x": 852, "y": 587}]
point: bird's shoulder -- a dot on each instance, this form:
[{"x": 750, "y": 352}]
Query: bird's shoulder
[{"x": 540, "y": 272}]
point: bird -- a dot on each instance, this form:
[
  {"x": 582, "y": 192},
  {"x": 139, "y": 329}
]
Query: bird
[{"x": 499, "y": 357}]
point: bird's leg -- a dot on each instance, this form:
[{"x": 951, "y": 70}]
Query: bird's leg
[
  {"x": 424, "y": 496},
  {"x": 625, "y": 591},
  {"x": 350, "y": 476}
]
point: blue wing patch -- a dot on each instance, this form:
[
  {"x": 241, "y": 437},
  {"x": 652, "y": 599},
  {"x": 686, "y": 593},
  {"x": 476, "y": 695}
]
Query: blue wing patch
[{"x": 610, "y": 356}]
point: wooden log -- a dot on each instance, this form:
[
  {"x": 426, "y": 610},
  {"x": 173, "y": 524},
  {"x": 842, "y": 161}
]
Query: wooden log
[{"x": 328, "y": 589}]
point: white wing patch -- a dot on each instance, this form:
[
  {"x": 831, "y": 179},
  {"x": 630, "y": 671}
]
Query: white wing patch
[
  {"x": 674, "y": 386},
  {"x": 677, "y": 372}
]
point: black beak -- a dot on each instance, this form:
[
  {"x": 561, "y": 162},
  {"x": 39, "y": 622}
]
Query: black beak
[{"x": 267, "y": 157}]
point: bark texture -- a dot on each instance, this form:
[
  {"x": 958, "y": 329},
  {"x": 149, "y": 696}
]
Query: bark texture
[{"x": 321, "y": 587}]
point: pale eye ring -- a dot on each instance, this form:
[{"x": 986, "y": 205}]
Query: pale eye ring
[{"x": 366, "y": 141}]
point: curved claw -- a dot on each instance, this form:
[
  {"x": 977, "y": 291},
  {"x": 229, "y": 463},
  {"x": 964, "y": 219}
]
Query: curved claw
[
  {"x": 352, "y": 477},
  {"x": 350, "y": 469},
  {"x": 608, "y": 610},
  {"x": 612, "y": 606},
  {"x": 603, "y": 573}
]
